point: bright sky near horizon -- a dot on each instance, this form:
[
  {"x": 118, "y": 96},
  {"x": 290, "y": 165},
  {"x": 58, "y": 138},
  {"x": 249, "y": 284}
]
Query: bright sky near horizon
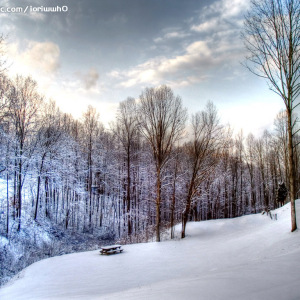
[{"x": 99, "y": 52}]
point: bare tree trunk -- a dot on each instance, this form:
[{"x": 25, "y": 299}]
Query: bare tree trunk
[
  {"x": 173, "y": 202},
  {"x": 38, "y": 188},
  {"x": 19, "y": 186},
  {"x": 128, "y": 196},
  {"x": 291, "y": 172},
  {"x": 186, "y": 212},
  {"x": 7, "y": 203},
  {"x": 158, "y": 201}
]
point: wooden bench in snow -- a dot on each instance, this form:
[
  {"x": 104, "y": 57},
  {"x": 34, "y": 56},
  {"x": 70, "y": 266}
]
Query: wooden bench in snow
[{"x": 111, "y": 249}]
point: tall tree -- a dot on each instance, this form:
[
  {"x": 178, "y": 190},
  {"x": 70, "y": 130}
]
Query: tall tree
[
  {"x": 202, "y": 153},
  {"x": 272, "y": 37},
  {"x": 90, "y": 131},
  {"x": 48, "y": 137},
  {"x": 2, "y": 55},
  {"x": 24, "y": 103},
  {"x": 162, "y": 121},
  {"x": 5, "y": 89},
  {"x": 126, "y": 130},
  {"x": 249, "y": 160}
]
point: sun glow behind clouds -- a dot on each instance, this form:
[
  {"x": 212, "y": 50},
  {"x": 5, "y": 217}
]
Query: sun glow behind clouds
[
  {"x": 41, "y": 61},
  {"x": 254, "y": 118},
  {"x": 36, "y": 59}
]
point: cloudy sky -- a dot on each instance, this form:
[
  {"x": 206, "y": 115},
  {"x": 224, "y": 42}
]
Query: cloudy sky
[{"x": 100, "y": 52}]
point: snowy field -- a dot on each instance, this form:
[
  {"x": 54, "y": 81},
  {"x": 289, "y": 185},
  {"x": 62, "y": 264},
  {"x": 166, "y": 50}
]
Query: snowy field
[{"x": 251, "y": 257}]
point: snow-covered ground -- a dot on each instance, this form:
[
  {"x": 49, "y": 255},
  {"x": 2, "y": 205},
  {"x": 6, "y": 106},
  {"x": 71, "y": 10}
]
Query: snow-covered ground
[{"x": 251, "y": 257}]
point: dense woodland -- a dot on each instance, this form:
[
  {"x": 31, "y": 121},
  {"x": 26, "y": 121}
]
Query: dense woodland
[
  {"x": 150, "y": 162},
  {"x": 151, "y": 169}
]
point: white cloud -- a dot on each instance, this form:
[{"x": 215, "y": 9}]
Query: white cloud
[
  {"x": 196, "y": 54},
  {"x": 114, "y": 74},
  {"x": 37, "y": 58},
  {"x": 171, "y": 34},
  {"x": 43, "y": 56},
  {"x": 194, "y": 65},
  {"x": 206, "y": 26},
  {"x": 221, "y": 16},
  {"x": 233, "y": 8},
  {"x": 213, "y": 45},
  {"x": 225, "y": 9}
]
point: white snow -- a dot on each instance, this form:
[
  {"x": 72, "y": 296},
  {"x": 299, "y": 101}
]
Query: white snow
[{"x": 251, "y": 257}]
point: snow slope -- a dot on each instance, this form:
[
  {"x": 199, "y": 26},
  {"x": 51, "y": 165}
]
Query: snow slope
[{"x": 251, "y": 257}]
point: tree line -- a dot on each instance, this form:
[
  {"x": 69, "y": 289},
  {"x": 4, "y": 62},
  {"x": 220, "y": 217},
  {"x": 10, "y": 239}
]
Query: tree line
[
  {"x": 152, "y": 168},
  {"x": 149, "y": 171}
]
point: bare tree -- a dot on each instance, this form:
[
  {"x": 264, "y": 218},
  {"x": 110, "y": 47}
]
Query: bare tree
[
  {"x": 202, "y": 153},
  {"x": 47, "y": 137},
  {"x": 249, "y": 160},
  {"x": 280, "y": 124},
  {"x": 272, "y": 37},
  {"x": 162, "y": 121},
  {"x": 261, "y": 160},
  {"x": 2, "y": 55},
  {"x": 90, "y": 130},
  {"x": 175, "y": 182},
  {"x": 126, "y": 130},
  {"x": 5, "y": 89},
  {"x": 24, "y": 103}
]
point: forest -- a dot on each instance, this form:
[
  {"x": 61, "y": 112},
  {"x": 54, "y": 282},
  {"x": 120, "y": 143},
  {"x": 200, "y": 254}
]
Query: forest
[{"x": 151, "y": 169}]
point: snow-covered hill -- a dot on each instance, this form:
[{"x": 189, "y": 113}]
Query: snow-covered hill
[{"x": 251, "y": 257}]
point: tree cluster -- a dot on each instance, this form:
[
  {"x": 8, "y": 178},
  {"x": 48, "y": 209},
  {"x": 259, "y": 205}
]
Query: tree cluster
[{"x": 147, "y": 172}]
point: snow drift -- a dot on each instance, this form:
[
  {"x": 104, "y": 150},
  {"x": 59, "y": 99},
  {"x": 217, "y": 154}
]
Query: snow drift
[{"x": 251, "y": 257}]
